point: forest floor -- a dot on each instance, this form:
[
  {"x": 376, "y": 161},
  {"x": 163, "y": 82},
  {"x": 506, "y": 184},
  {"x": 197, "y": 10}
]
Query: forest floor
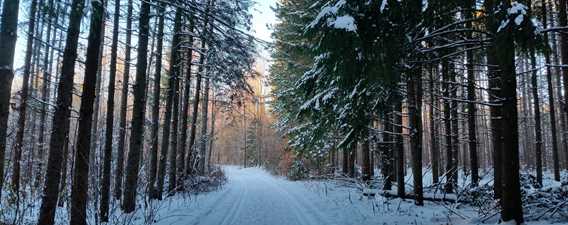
[{"x": 252, "y": 196}]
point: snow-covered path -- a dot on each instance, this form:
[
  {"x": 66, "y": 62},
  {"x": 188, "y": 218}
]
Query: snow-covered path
[{"x": 252, "y": 196}]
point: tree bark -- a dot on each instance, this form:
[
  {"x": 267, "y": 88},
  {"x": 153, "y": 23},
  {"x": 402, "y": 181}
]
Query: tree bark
[
  {"x": 450, "y": 186},
  {"x": 18, "y": 145},
  {"x": 119, "y": 171},
  {"x": 471, "y": 109},
  {"x": 60, "y": 124},
  {"x": 107, "y": 162},
  {"x": 551, "y": 102},
  {"x": 156, "y": 105},
  {"x": 503, "y": 47},
  {"x": 79, "y": 191},
  {"x": 169, "y": 100},
  {"x": 399, "y": 148},
  {"x": 136, "y": 141},
  {"x": 8, "y": 36},
  {"x": 204, "y": 119},
  {"x": 182, "y": 171},
  {"x": 434, "y": 151},
  {"x": 414, "y": 91}
]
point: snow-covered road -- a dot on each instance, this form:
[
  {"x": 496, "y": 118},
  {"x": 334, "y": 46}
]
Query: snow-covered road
[
  {"x": 254, "y": 197},
  {"x": 251, "y": 197}
]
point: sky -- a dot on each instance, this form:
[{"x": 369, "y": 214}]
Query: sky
[{"x": 263, "y": 16}]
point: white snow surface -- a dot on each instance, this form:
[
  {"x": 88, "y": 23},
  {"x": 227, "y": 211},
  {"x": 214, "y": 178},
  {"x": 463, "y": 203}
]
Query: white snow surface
[{"x": 252, "y": 196}]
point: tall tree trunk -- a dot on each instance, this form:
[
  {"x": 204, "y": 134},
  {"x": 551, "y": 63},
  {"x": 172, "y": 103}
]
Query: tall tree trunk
[
  {"x": 388, "y": 157},
  {"x": 17, "y": 154},
  {"x": 551, "y": 102},
  {"x": 136, "y": 141},
  {"x": 562, "y": 22},
  {"x": 156, "y": 105},
  {"x": 537, "y": 128},
  {"x": 455, "y": 127},
  {"x": 79, "y": 191},
  {"x": 450, "y": 186},
  {"x": 45, "y": 96},
  {"x": 119, "y": 171},
  {"x": 399, "y": 148},
  {"x": 204, "y": 119},
  {"x": 60, "y": 125},
  {"x": 434, "y": 151},
  {"x": 168, "y": 114},
  {"x": 414, "y": 91},
  {"x": 8, "y": 36},
  {"x": 107, "y": 162},
  {"x": 471, "y": 109},
  {"x": 175, "y": 131},
  {"x": 503, "y": 47},
  {"x": 182, "y": 171},
  {"x": 366, "y": 161},
  {"x": 193, "y": 128}
]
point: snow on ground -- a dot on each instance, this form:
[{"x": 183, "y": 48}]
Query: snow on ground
[{"x": 254, "y": 197}]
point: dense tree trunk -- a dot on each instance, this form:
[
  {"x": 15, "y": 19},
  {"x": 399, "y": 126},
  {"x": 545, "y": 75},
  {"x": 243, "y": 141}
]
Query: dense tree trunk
[
  {"x": 536, "y": 108},
  {"x": 119, "y": 171},
  {"x": 169, "y": 100},
  {"x": 388, "y": 150},
  {"x": 107, "y": 162},
  {"x": 366, "y": 161},
  {"x": 182, "y": 171},
  {"x": 450, "y": 186},
  {"x": 79, "y": 190},
  {"x": 60, "y": 124},
  {"x": 204, "y": 119},
  {"x": 434, "y": 151},
  {"x": 414, "y": 91},
  {"x": 137, "y": 138},
  {"x": 551, "y": 101},
  {"x": 175, "y": 131},
  {"x": 156, "y": 105},
  {"x": 18, "y": 145},
  {"x": 471, "y": 109},
  {"x": 193, "y": 127},
  {"x": 8, "y": 36},
  {"x": 563, "y": 22},
  {"x": 398, "y": 147},
  {"x": 503, "y": 47}
]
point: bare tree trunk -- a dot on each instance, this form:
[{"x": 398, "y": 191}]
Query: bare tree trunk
[
  {"x": 434, "y": 151},
  {"x": 503, "y": 46},
  {"x": 185, "y": 110},
  {"x": 107, "y": 162},
  {"x": 194, "y": 114},
  {"x": 451, "y": 168},
  {"x": 60, "y": 125},
  {"x": 563, "y": 21},
  {"x": 399, "y": 147},
  {"x": 414, "y": 91},
  {"x": 168, "y": 114},
  {"x": 51, "y": 11},
  {"x": 471, "y": 109},
  {"x": 204, "y": 119},
  {"x": 79, "y": 191},
  {"x": 551, "y": 102},
  {"x": 366, "y": 162},
  {"x": 137, "y": 139},
  {"x": 17, "y": 154},
  {"x": 388, "y": 157},
  {"x": 8, "y": 36},
  {"x": 156, "y": 105},
  {"x": 119, "y": 171}
]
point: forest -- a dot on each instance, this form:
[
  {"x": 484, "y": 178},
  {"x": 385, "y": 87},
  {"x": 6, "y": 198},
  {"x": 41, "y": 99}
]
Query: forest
[{"x": 353, "y": 112}]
